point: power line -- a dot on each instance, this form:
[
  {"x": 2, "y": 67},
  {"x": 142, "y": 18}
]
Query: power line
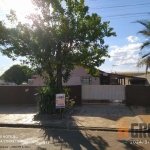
[
  {"x": 119, "y": 6},
  {"x": 99, "y": 1},
  {"x": 127, "y": 14},
  {"x": 118, "y": 9},
  {"x": 108, "y": 19}
]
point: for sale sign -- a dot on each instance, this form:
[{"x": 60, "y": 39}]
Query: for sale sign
[{"x": 60, "y": 101}]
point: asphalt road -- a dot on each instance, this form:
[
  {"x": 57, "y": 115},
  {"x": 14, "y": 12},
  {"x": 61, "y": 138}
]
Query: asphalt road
[{"x": 52, "y": 139}]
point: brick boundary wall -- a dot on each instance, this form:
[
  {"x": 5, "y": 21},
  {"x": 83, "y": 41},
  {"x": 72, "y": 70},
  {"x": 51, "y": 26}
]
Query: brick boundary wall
[
  {"x": 25, "y": 94},
  {"x": 18, "y": 94},
  {"x": 137, "y": 95},
  {"x": 75, "y": 93}
]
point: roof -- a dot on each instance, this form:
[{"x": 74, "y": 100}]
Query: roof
[
  {"x": 122, "y": 76},
  {"x": 133, "y": 73}
]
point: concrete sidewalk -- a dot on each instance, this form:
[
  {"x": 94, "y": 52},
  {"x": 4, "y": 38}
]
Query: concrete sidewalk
[
  {"x": 102, "y": 117},
  {"x": 107, "y": 116},
  {"x": 142, "y": 113}
]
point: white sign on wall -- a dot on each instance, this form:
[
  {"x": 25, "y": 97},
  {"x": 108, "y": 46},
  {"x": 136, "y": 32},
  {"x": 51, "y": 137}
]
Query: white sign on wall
[{"x": 60, "y": 101}]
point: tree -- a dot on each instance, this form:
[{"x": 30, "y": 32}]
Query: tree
[
  {"x": 17, "y": 74},
  {"x": 145, "y": 32},
  {"x": 62, "y": 35},
  {"x": 145, "y": 61}
]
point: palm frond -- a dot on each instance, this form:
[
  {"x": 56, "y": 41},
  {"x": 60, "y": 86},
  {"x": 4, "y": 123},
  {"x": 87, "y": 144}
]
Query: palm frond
[
  {"x": 145, "y": 23},
  {"x": 145, "y": 32},
  {"x": 141, "y": 62},
  {"x": 145, "y": 45}
]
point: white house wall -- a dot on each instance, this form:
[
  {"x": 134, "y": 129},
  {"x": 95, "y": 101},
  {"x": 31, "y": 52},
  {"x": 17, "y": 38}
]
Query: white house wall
[
  {"x": 75, "y": 78},
  {"x": 76, "y": 75}
]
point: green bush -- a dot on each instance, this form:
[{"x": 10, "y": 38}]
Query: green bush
[{"x": 46, "y": 100}]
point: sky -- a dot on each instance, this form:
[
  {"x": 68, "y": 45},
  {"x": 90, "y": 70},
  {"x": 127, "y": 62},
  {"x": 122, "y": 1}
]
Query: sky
[{"x": 124, "y": 49}]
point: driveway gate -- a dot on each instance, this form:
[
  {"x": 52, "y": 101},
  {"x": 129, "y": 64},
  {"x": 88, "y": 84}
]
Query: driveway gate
[{"x": 103, "y": 93}]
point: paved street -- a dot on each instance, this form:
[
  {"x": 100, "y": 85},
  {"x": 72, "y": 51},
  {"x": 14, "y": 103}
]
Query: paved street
[{"x": 51, "y": 139}]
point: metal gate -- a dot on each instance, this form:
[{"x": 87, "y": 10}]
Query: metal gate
[{"x": 103, "y": 93}]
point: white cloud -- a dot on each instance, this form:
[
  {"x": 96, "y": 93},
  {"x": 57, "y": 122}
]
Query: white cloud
[
  {"x": 147, "y": 39},
  {"x": 133, "y": 66},
  {"x": 125, "y": 55},
  {"x": 3, "y": 69},
  {"x": 132, "y": 39}
]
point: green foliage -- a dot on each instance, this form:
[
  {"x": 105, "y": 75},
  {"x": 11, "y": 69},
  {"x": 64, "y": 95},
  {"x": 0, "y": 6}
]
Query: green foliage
[
  {"x": 128, "y": 74},
  {"x": 17, "y": 74},
  {"x": 62, "y": 35},
  {"x": 145, "y": 32},
  {"x": 3, "y": 34},
  {"x": 46, "y": 100},
  {"x": 146, "y": 62}
]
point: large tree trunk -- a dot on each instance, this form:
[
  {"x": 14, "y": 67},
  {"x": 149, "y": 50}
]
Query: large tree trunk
[{"x": 59, "y": 68}]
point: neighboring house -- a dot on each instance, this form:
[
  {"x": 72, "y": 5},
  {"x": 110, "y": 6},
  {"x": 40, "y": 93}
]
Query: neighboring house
[
  {"x": 3, "y": 83},
  {"x": 121, "y": 79},
  {"x": 79, "y": 76},
  {"x": 147, "y": 78},
  {"x": 132, "y": 73},
  {"x": 137, "y": 77}
]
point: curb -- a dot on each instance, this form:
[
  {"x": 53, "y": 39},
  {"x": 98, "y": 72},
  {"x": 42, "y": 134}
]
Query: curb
[{"x": 56, "y": 126}]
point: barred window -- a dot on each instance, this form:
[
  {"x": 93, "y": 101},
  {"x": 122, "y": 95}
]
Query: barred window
[{"x": 86, "y": 80}]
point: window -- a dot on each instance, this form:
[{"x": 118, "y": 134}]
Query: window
[
  {"x": 86, "y": 80},
  {"x": 135, "y": 82}
]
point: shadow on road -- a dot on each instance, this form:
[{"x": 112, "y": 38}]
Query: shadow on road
[
  {"x": 75, "y": 139},
  {"x": 39, "y": 148}
]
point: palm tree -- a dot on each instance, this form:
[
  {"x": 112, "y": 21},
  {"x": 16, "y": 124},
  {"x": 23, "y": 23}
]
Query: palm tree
[
  {"x": 145, "y": 32},
  {"x": 146, "y": 62}
]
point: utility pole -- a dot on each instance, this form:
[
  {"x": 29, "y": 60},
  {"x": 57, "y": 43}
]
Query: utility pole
[{"x": 112, "y": 68}]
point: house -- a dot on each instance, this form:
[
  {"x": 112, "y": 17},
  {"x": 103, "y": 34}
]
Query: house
[
  {"x": 121, "y": 79},
  {"x": 147, "y": 78},
  {"x": 137, "y": 77},
  {"x": 79, "y": 76}
]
